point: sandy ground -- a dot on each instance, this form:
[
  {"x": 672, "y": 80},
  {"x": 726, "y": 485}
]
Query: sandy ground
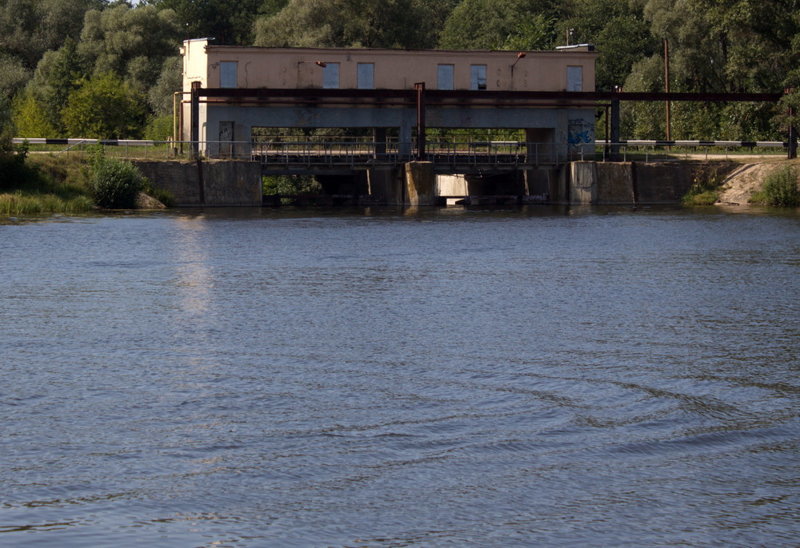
[{"x": 744, "y": 180}]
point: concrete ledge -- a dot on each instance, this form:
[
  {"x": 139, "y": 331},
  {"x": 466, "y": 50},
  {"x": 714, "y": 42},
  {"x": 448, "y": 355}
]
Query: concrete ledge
[
  {"x": 619, "y": 183},
  {"x": 206, "y": 183}
]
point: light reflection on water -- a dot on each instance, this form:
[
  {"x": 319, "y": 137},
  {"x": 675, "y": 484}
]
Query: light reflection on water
[{"x": 535, "y": 376}]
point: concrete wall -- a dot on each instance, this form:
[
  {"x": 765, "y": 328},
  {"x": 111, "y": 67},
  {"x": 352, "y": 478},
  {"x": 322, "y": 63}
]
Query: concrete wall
[
  {"x": 610, "y": 183},
  {"x": 214, "y": 183},
  {"x": 420, "y": 184}
]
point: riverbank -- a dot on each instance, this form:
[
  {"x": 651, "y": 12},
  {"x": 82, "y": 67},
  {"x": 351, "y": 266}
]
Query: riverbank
[
  {"x": 51, "y": 184},
  {"x": 45, "y": 185},
  {"x": 60, "y": 183},
  {"x": 748, "y": 179}
]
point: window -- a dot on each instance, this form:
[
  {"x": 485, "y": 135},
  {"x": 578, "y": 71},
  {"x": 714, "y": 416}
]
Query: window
[
  {"x": 366, "y": 75},
  {"x": 574, "y": 78},
  {"x": 330, "y": 76},
  {"x": 477, "y": 77},
  {"x": 227, "y": 74},
  {"x": 444, "y": 77}
]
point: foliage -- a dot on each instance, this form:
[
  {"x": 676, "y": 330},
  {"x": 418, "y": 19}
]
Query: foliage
[
  {"x": 500, "y": 24},
  {"x": 105, "y": 108},
  {"x": 114, "y": 184},
  {"x": 13, "y": 75},
  {"x": 159, "y": 128},
  {"x": 29, "y": 118},
  {"x": 289, "y": 185},
  {"x": 170, "y": 80},
  {"x": 28, "y": 189},
  {"x": 346, "y": 23},
  {"x": 705, "y": 188},
  {"x": 780, "y": 189},
  {"x": 51, "y": 49},
  {"x": 57, "y": 75},
  {"x": 227, "y": 22},
  {"x": 130, "y": 42},
  {"x": 21, "y": 203},
  {"x": 29, "y": 28}
]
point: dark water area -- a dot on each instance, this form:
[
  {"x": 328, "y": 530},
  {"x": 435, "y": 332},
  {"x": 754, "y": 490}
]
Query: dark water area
[{"x": 373, "y": 378}]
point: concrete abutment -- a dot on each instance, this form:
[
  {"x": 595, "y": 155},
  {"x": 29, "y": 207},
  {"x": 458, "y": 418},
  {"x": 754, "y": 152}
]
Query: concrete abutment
[{"x": 238, "y": 183}]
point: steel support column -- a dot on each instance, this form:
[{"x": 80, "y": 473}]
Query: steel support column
[
  {"x": 195, "y": 119},
  {"x": 420, "y": 87}
]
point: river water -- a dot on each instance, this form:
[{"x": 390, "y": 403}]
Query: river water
[{"x": 372, "y": 378}]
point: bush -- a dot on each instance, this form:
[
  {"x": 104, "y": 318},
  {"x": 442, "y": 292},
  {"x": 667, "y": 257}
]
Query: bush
[
  {"x": 115, "y": 183},
  {"x": 780, "y": 189}
]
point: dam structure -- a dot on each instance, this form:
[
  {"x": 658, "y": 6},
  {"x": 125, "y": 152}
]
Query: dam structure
[{"x": 269, "y": 105}]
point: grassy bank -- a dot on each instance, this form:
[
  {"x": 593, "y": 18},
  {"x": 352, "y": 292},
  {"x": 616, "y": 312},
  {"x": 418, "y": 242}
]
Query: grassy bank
[{"x": 45, "y": 184}]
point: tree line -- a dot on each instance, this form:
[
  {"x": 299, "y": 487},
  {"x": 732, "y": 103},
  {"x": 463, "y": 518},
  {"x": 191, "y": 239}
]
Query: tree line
[{"x": 108, "y": 69}]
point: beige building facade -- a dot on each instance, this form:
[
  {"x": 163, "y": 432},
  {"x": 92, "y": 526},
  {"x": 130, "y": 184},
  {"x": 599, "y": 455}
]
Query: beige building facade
[
  {"x": 241, "y": 68},
  {"x": 298, "y": 68}
]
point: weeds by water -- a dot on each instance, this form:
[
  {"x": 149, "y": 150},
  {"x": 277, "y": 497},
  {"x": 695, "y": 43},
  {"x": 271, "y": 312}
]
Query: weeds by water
[
  {"x": 19, "y": 203},
  {"x": 705, "y": 188},
  {"x": 40, "y": 188},
  {"x": 780, "y": 189}
]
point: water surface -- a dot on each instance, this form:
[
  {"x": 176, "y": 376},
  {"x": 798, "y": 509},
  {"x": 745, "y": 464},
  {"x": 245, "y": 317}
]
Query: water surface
[{"x": 447, "y": 377}]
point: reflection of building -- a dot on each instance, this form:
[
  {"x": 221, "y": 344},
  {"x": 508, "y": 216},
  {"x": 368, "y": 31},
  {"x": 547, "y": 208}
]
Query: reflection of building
[{"x": 231, "y": 116}]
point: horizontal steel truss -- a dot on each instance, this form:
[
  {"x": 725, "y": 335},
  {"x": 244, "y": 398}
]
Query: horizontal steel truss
[{"x": 408, "y": 97}]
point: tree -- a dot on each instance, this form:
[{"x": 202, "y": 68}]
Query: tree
[
  {"x": 169, "y": 81},
  {"x": 617, "y": 29},
  {"x": 13, "y": 75},
  {"x": 28, "y": 28},
  {"x": 344, "y": 23},
  {"x": 57, "y": 75},
  {"x": 30, "y": 119},
  {"x": 105, "y": 107},
  {"x": 225, "y": 21},
  {"x": 491, "y": 24},
  {"x": 130, "y": 42}
]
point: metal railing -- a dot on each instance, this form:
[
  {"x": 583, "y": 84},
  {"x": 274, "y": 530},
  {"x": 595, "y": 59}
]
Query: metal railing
[{"x": 360, "y": 152}]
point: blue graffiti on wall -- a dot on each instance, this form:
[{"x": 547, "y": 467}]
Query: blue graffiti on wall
[{"x": 580, "y": 133}]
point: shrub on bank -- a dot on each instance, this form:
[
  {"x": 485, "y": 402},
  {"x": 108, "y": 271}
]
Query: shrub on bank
[
  {"x": 115, "y": 183},
  {"x": 780, "y": 189}
]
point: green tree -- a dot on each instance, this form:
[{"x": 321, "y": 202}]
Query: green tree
[
  {"x": 30, "y": 119},
  {"x": 160, "y": 96},
  {"x": 105, "y": 107},
  {"x": 131, "y": 42},
  {"x": 13, "y": 75},
  {"x": 28, "y": 28},
  {"x": 498, "y": 24},
  {"x": 344, "y": 23},
  {"x": 57, "y": 75},
  {"x": 225, "y": 21},
  {"x": 617, "y": 29}
]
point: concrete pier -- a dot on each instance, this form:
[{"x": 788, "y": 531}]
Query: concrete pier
[{"x": 420, "y": 183}]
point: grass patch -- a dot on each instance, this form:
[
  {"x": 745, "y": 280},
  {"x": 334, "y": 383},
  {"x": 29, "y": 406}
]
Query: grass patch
[
  {"x": 705, "y": 188},
  {"x": 21, "y": 203},
  {"x": 40, "y": 187},
  {"x": 780, "y": 189}
]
